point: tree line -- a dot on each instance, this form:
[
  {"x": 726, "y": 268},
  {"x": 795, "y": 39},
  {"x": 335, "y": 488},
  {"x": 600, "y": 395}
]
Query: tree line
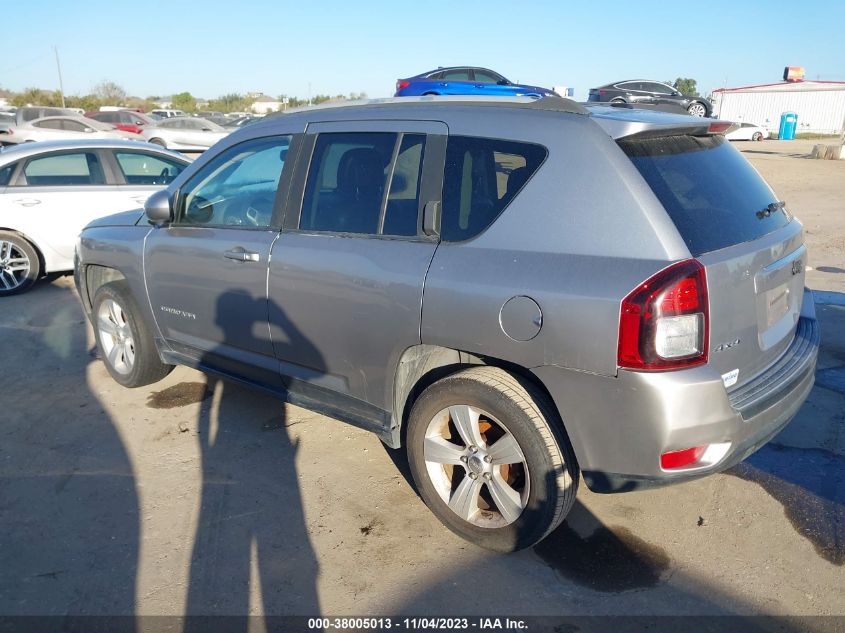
[{"x": 108, "y": 93}]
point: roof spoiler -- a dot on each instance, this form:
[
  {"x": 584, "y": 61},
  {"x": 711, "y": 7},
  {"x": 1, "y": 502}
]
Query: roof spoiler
[{"x": 626, "y": 123}]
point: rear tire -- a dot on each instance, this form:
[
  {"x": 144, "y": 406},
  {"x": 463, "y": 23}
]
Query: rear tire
[
  {"x": 123, "y": 339},
  {"x": 490, "y": 458},
  {"x": 20, "y": 266},
  {"x": 757, "y": 136}
]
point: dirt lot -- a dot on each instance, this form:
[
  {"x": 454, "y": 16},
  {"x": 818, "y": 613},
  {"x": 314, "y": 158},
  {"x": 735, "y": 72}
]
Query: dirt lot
[{"x": 201, "y": 497}]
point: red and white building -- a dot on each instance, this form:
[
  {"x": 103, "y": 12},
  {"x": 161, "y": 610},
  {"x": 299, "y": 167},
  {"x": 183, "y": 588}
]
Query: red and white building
[{"x": 820, "y": 105}]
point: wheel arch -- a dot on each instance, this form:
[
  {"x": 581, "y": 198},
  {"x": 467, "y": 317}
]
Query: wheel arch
[
  {"x": 92, "y": 278},
  {"x": 422, "y": 365}
]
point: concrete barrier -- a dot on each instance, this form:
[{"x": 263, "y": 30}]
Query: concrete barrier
[{"x": 829, "y": 152}]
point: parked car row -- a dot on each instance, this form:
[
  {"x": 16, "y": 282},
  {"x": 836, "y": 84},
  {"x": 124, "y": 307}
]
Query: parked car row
[
  {"x": 182, "y": 133},
  {"x": 470, "y": 80}
]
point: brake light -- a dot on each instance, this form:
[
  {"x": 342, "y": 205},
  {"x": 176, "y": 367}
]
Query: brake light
[
  {"x": 664, "y": 322},
  {"x": 401, "y": 85},
  {"x": 679, "y": 459},
  {"x": 719, "y": 127},
  {"x": 601, "y": 93}
]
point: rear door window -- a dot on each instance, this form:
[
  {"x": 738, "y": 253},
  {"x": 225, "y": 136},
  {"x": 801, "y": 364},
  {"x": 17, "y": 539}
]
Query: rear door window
[
  {"x": 713, "y": 195},
  {"x": 59, "y": 170},
  {"x": 482, "y": 176}
]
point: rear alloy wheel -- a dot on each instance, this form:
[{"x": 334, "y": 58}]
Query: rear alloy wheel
[
  {"x": 124, "y": 342},
  {"x": 490, "y": 459},
  {"x": 20, "y": 267},
  {"x": 757, "y": 136},
  {"x": 696, "y": 108}
]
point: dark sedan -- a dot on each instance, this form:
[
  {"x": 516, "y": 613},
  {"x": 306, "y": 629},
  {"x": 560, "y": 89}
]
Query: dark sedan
[{"x": 653, "y": 95}]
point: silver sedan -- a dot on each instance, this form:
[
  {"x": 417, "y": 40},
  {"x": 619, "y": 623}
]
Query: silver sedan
[
  {"x": 67, "y": 127},
  {"x": 185, "y": 133}
]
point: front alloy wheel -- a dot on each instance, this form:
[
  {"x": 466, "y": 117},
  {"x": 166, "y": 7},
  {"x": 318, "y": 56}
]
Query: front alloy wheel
[
  {"x": 116, "y": 336},
  {"x": 14, "y": 266},
  {"x": 124, "y": 341},
  {"x": 20, "y": 266}
]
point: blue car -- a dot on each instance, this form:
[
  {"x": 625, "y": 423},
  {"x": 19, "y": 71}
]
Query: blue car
[{"x": 465, "y": 80}]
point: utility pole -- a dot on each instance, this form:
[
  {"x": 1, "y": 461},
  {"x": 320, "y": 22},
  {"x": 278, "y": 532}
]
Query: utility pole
[{"x": 59, "y": 68}]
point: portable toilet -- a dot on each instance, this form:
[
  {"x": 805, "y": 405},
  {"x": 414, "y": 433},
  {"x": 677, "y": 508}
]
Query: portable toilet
[{"x": 788, "y": 124}]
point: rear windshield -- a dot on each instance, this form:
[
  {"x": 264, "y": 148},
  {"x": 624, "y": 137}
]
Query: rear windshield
[{"x": 713, "y": 195}]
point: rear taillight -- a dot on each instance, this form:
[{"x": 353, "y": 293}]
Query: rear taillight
[
  {"x": 664, "y": 322},
  {"x": 719, "y": 127},
  {"x": 402, "y": 84},
  {"x": 601, "y": 93}
]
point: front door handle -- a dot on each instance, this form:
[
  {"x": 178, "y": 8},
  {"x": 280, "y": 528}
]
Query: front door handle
[
  {"x": 241, "y": 255},
  {"x": 27, "y": 202}
]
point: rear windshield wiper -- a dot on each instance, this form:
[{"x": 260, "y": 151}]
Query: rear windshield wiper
[{"x": 770, "y": 208}]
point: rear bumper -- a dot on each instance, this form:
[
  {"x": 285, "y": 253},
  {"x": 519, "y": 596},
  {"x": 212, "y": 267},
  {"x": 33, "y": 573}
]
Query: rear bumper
[{"x": 620, "y": 426}]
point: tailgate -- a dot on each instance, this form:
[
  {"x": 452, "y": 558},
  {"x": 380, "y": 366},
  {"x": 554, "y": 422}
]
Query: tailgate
[
  {"x": 752, "y": 249},
  {"x": 755, "y": 290}
]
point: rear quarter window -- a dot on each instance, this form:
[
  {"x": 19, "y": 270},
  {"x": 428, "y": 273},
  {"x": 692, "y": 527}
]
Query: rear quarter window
[
  {"x": 713, "y": 195},
  {"x": 482, "y": 176}
]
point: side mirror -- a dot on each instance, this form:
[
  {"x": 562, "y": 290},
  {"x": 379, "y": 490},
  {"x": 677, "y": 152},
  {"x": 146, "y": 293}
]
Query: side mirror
[{"x": 158, "y": 209}]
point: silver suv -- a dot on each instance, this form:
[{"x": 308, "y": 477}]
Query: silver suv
[{"x": 520, "y": 292}]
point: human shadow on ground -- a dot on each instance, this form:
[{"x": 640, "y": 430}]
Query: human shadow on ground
[{"x": 250, "y": 557}]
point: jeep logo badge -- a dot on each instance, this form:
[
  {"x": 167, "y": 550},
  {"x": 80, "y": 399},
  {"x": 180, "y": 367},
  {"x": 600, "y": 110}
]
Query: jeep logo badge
[{"x": 797, "y": 266}]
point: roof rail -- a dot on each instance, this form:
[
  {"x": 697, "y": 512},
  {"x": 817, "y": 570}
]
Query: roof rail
[{"x": 557, "y": 104}]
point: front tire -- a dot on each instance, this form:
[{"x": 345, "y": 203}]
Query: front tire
[
  {"x": 757, "y": 136},
  {"x": 20, "y": 266},
  {"x": 123, "y": 339},
  {"x": 490, "y": 458},
  {"x": 696, "y": 108}
]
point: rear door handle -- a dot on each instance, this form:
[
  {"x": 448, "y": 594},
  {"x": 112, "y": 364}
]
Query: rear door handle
[
  {"x": 27, "y": 202},
  {"x": 241, "y": 255}
]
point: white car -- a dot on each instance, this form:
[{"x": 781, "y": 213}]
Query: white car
[
  {"x": 748, "y": 132},
  {"x": 50, "y": 191},
  {"x": 185, "y": 133},
  {"x": 55, "y": 128},
  {"x": 166, "y": 114}
]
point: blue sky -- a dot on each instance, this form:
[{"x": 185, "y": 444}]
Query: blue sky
[{"x": 215, "y": 47}]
